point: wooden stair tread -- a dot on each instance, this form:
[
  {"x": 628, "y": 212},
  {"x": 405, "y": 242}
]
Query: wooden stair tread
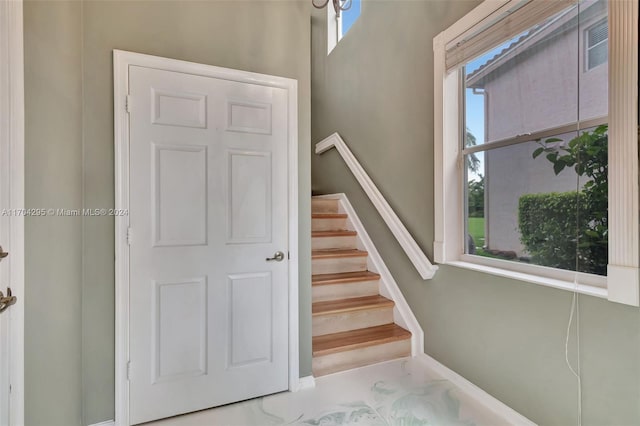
[
  {"x": 328, "y": 215},
  {"x": 350, "y": 305},
  {"x": 336, "y": 233},
  {"x": 356, "y": 339},
  {"x": 344, "y": 277},
  {"x": 337, "y": 253}
]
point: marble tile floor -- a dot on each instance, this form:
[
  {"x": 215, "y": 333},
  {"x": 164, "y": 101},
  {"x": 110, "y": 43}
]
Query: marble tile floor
[{"x": 396, "y": 393}]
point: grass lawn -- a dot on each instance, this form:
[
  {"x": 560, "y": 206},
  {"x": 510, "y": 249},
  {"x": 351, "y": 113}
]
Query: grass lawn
[{"x": 476, "y": 229}]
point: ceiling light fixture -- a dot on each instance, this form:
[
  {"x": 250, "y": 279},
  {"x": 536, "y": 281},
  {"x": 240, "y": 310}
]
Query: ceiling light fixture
[{"x": 338, "y": 5}]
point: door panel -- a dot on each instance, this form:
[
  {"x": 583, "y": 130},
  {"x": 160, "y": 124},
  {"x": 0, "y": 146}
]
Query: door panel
[
  {"x": 250, "y": 303},
  {"x": 249, "y": 197},
  {"x": 180, "y": 329},
  {"x": 249, "y": 117},
  {"x": 179, "y": 179},
  {"x": 179, "y": 108},
  {"x": 208, "y": 206}
]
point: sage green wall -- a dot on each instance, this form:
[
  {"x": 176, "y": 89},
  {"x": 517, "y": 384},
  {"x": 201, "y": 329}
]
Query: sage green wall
[
  {"x": 69, "y": 144},
  {"x": 53, "y": 245},
  {"x": 376, "y": 90}
]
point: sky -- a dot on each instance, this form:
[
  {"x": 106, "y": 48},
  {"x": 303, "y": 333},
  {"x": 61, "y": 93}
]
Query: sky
[{"x": 350, "y": 16}]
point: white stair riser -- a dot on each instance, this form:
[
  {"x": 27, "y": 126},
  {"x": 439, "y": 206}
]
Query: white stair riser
[
  {"x": 327, "y": 364},
  {"x": 322, "y": 293},
  {"x": 335, "y": 265},
  {"x": 332, "y": 224},
  {"x": 339, "y": 242},
  {"x": 324, "y": 206},
  {"x": 346, "y": 321}
]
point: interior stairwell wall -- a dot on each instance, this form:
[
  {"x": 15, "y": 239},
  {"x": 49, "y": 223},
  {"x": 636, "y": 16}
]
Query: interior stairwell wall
[
  {"x": 376, "y": 90},
  {"x": 69, "y": 164}
]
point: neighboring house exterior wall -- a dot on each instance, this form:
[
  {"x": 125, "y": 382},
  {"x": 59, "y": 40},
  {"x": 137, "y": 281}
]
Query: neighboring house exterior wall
[{"x": 533, "y": 90}]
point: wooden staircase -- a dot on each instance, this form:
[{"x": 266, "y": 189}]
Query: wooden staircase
[{"x": 353, "y": 324}]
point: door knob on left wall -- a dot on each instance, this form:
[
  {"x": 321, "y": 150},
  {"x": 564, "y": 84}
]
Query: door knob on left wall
[
  {"x": 6, "y": 301},
  {"x": 3, "y": 253}
]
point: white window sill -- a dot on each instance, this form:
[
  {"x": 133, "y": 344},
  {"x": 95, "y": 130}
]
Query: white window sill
[{"x": 590, "y": 290}]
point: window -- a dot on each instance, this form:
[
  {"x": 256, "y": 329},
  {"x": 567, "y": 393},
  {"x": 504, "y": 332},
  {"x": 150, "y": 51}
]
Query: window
[
  {"x": 348, "y": 17},
  {"x": 338, "y": 24},
  {"x": 537, "y": 189},
  {"x": 536, "y": 158},
  {"x": 597, "y": 45}
]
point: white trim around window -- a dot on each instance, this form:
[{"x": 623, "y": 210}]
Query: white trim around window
[
  {"x": 600, "y": 28},
  {"x": 334, "y": 28},
  {"x": 622, "y": 283}
]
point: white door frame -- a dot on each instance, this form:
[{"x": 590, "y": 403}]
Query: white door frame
[
  {"x": 122, "y": 60},
  {"x": 12, "y": 141}
]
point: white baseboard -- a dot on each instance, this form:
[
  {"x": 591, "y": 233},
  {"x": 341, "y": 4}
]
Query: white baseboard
[
  {"x": 307, "y": 382},
  {"x": 493, "y": 404},
  {"x": 105, "y": 423}
]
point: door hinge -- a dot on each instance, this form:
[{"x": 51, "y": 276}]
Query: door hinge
[
  {"x": 129, "y": 236},
  {"x": 128, "y": 369},
  {"x": 288, "y": 256},
  {"x": 127, "y": 103}
]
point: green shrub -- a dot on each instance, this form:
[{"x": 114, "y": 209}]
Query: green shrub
[{"x": 557, "y": 227}]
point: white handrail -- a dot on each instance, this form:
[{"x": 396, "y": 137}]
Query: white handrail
[{"x": 422, "y": 264}]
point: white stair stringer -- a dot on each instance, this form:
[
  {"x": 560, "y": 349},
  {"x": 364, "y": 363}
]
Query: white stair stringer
[{"x": 402, "y": 314}]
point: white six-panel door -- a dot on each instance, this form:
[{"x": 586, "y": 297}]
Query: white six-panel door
[{"x": 208, "y": 205}]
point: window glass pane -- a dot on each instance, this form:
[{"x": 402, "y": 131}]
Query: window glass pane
[
  {"x": 541, "y": 201},
  {"x": 349, "y": 16},
  {"x": 592, "y": 237},
  {"x": 598, "y": 33},
  {"x": 527, "y": 84},
  {"x": 597, "y": 47},
  {"x": 598, "y": 55},
  {"x": 519, "y": 194}
]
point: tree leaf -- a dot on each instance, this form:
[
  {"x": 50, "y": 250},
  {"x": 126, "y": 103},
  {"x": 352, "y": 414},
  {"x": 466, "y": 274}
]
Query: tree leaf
[
  {"x": 558, "y": 167},
  {"x": 537, "y": 152}
]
